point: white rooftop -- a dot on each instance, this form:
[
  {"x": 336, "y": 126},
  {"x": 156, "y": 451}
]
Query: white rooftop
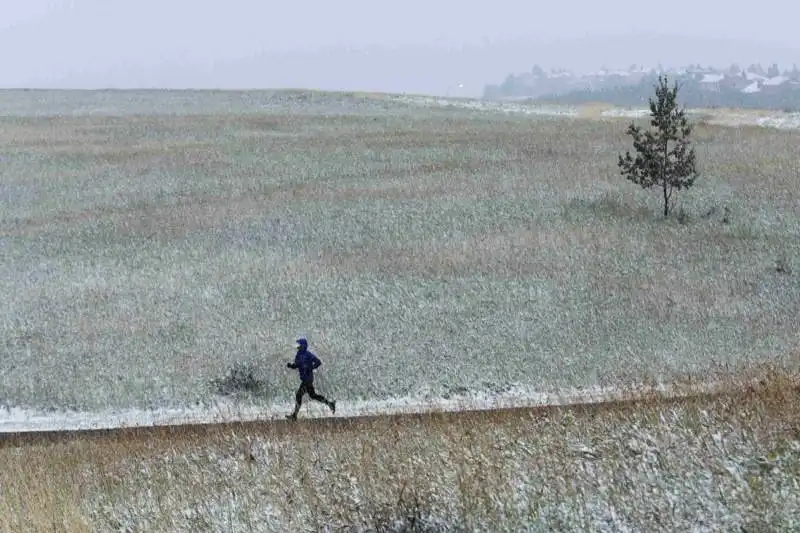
[
  {"x": 777, "y": 80},
  {"x": 712, "y": 78},
  {"x": 754, "y": 76},
  {"x": 752, "y": 88}
]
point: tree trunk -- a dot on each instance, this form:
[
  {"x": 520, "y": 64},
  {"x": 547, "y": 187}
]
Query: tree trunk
[{"x": 664, "y": 164}]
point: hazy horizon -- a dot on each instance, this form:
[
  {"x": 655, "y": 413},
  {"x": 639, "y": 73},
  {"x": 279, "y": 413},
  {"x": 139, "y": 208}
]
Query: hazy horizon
[{"x": 445, "y": 47}]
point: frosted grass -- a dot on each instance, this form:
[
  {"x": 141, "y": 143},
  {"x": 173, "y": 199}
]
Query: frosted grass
[
  {"x": 725, "y": 464},
  {"x": 420, "y": 253}
]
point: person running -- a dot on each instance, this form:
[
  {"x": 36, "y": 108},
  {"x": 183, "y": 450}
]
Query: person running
[{"x": 305, "y": 362}]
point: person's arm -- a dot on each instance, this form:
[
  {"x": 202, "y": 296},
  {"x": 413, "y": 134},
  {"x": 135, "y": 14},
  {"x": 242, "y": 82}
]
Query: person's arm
[
  {"x": 292, "y": 364},
  {"x": 315, "y": 362}
]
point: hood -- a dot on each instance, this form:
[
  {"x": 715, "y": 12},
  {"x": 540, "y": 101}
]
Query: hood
[{"x": 301, "y": 344}]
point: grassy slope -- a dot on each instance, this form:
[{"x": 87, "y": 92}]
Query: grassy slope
[
  {"x": 113, "y": 299},
  {"x": 727, "y": 464},
  {"x": 419, "y": 251}
]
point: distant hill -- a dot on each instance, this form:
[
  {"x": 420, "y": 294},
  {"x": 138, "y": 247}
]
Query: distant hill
[{"x": 751, "y": 87}]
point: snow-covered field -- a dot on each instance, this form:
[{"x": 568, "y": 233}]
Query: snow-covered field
[
  {"x": 452, "y": 256},
  {"x": 15, "y": 103},
  {"x": 471, "y": 244},
  {"x": 722, "y": 117},
  {"x": 490, "y": 106},
  {"x": 23, "y": 420}
]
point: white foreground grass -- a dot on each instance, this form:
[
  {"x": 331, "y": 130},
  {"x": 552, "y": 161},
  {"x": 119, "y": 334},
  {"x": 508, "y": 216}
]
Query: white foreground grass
[{"x": 725, "y": 464}]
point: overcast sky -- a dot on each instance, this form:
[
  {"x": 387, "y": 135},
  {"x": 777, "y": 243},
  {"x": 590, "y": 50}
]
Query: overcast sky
[{"x": 413, "y": 45}]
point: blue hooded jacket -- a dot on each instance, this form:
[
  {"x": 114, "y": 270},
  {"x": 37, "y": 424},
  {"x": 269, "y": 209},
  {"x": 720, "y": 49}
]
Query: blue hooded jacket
[{"x": 305, "y": 362}]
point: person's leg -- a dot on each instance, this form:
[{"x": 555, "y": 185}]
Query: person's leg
[
  {"x": 312, "y": 393},
  {"x": 298, "y": 400}
]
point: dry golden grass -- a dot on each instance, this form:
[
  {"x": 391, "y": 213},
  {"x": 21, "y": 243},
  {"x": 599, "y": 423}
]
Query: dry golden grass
[
  {"x": 593, "y": 110},
  {"x": 648, "y": 464}
]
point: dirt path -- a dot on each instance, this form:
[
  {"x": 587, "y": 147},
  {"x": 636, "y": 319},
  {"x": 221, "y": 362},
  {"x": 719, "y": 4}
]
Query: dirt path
[{"x": 349, "y": 423}]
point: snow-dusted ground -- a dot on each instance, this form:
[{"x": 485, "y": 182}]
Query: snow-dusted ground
[
  {"x": 14, "y": 419},
  {"x": 722, "y": 117},
  {"x": 490, "y": 105},
  {"x": 22, "y": 420},
  {"x": 789, "y": 121},
  {"x": 622, "y": 112},
  {"x": 660, "y": 468}
]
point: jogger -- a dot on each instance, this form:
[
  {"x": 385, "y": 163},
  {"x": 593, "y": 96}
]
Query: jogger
[{"x": 305, "y": 362}]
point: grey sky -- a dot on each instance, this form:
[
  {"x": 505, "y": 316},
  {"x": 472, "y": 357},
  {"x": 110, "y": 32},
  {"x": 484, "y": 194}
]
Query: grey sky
[{"x": 414, "y": 45}]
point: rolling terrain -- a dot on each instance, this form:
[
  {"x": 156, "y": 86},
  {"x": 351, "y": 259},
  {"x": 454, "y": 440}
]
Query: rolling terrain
[
  {"x": 424, "y": 251},
  {"x": 438, "y": 257}
]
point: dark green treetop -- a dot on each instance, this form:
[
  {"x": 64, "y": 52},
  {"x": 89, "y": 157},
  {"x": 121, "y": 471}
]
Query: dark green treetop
[{"x": 664, "y": 155}]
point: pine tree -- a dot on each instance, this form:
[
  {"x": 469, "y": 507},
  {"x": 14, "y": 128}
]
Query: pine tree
[{"x": 664, "y": 156}]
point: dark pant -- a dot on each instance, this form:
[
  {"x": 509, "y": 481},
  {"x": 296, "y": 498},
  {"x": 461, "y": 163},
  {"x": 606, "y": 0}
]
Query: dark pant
[{"x": 308, "y": 387}]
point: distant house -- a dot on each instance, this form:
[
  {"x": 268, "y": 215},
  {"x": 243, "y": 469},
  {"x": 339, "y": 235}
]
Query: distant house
[
  {"x": 754, "y": 76},
  {"x": 757, "y": 69},
  {"x": 754, "y": 87},
  {"x": 711, "y": 82},
  {"x": 774, "y": 84},
  {"x": 754, "y": 79},
  {"x": 735, "y": 83}
]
